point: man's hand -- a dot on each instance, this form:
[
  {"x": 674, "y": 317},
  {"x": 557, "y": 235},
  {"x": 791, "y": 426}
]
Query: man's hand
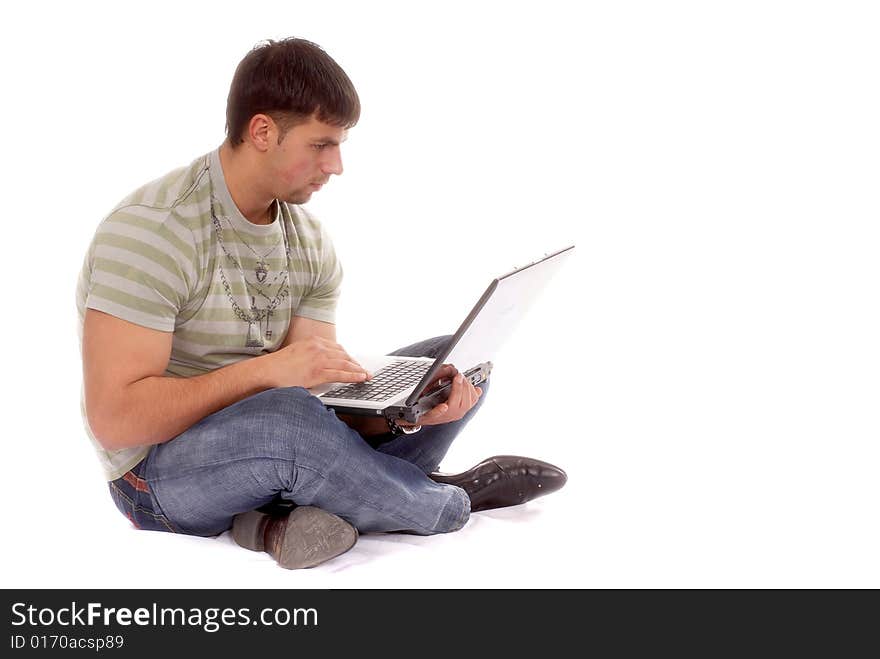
[
  {"x": 462, "y": 397},
  {"x": 310, "y": 362}
]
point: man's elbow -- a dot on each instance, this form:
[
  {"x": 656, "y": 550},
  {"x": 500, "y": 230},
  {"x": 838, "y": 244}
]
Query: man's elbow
[
  {"x": 104, "y": 431},
  {"x": 106, "y": 424}
]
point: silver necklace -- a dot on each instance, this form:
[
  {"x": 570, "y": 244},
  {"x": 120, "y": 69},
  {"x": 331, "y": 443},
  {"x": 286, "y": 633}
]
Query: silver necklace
[
  {"x": 256, "y": 316},
  {"x": 261, "y": 269}
]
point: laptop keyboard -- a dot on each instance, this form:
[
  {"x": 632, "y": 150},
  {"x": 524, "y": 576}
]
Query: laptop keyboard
[{"x": 386, "y": 382}]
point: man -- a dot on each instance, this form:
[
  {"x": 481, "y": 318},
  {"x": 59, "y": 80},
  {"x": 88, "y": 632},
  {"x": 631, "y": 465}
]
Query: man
[{"x": 207, "y": 303}]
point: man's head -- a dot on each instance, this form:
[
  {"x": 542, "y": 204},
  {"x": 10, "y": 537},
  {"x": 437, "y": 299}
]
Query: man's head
[{"x": 291, "y": 104}]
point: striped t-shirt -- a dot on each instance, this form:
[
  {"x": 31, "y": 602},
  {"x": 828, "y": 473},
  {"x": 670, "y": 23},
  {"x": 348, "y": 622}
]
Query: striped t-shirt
[{"x": 178, "y": 256}]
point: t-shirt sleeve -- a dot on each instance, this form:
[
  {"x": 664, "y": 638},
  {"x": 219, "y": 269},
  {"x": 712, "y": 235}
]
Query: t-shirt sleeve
[
  {"x": 319, "y": 302},
  {"x": 140, "y": 270}
]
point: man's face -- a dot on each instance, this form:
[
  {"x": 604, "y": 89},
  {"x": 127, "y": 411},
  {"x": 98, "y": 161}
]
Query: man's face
[{"x": 304, "y": 161}]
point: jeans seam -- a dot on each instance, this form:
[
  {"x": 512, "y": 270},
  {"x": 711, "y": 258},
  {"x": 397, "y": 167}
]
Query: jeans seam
[{"x": 159, "y": 517}]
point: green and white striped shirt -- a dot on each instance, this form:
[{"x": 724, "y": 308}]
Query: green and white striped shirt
[{"x": 178, "y": 256}]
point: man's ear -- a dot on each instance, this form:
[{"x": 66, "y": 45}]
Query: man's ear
[{"x": 261, "y": 130}]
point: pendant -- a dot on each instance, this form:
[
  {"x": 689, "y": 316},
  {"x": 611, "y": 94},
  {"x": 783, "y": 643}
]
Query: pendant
[
  {"x": 268, "y": 332},
  {"x": 261, "y": 271},
  {"x": 254, "y": 340}
]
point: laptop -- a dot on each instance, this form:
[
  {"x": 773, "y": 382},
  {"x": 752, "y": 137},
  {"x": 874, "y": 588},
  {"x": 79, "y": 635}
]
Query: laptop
[{"x": 404, "y": 388}]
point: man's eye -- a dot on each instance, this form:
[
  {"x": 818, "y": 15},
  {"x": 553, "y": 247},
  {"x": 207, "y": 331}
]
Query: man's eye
[{"x": 319, "y": 146}]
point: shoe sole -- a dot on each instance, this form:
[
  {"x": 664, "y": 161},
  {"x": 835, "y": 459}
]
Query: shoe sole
[{"x": 313, "y": 536}]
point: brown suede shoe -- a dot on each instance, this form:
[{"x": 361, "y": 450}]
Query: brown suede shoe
[
  {"x": 302, "y": 538},
  {"x": 505, "y": 480}
]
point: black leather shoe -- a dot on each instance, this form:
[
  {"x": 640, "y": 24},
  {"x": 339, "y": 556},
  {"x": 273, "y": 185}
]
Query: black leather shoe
[{"x": 505, "y": 480}]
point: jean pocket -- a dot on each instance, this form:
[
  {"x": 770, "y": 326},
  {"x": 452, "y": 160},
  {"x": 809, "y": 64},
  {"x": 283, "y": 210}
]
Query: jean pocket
[
  {"x": 138, "y": 508},
  {"x": 122, "y": 502}
]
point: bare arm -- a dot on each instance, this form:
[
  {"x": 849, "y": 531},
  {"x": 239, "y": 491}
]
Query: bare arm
[
  {"x": 302, "y": 328},
  {"x": 129, "y": 402}
]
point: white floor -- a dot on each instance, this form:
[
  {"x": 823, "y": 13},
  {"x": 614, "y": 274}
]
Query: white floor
[
  {"x": 663, "y": 510},
  {"x": 80, "y": 540},
  {"x": 523, "y": 547}
]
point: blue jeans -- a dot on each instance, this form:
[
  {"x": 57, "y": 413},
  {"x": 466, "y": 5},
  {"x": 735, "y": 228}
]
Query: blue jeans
[{"x": 283, "y": 443}]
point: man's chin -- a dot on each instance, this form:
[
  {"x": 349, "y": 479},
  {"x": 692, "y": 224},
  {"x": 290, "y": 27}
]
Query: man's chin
[{"x": 299, "y": 197}]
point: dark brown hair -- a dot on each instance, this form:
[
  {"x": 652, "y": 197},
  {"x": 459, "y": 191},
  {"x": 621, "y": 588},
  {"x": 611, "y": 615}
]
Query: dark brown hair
[{"x": 289, "y": 80}]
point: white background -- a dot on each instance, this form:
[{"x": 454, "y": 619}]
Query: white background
[{"x": 714, "y": 343}]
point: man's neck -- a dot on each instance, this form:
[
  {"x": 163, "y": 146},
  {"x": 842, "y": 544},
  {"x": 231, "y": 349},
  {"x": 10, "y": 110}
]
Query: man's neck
[{"x": 245, "y": 192}]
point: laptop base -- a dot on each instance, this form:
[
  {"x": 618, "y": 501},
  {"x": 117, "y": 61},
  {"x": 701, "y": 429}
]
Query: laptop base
[{"x": 430, "y": 400}]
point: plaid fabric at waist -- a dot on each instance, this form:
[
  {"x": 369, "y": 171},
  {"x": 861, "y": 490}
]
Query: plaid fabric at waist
[{"x": 132, "y": 497}]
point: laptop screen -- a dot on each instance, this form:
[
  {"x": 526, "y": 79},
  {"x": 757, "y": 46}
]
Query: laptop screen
[{"x": 495, "y": 316}]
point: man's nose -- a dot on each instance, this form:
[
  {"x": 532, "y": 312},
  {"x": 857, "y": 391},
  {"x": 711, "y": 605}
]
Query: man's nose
[{"x": 333, "y": 163}]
